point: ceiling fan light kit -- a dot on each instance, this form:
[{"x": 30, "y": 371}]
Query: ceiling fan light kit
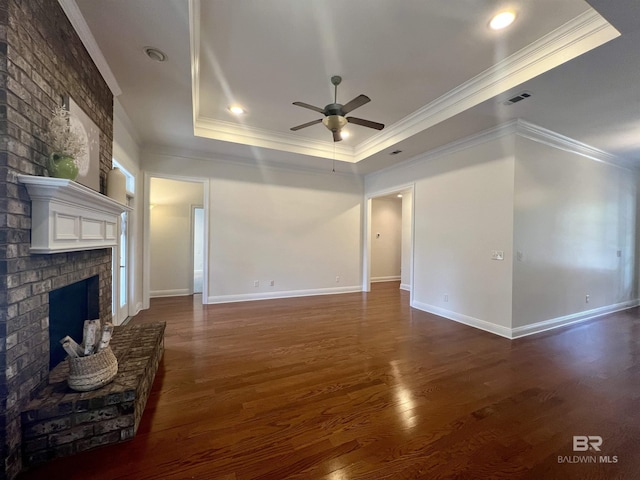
[
  {"x": 334, "y": 122},
  {"x": 334, "y": 113}
]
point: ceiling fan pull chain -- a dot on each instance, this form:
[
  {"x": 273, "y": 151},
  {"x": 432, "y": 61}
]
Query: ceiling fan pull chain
[{"x": 334, "y": 158}]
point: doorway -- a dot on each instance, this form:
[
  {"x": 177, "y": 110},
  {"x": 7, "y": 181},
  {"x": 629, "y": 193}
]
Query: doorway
[
  {"x": 386, "y": 239},
  {"x": 176, "y": 237},
  {"x": 406, "y": 242}
]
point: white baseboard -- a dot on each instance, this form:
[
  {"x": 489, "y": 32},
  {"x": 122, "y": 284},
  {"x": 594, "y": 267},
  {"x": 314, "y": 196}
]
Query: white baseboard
[
  {"x": 571, "y": 319},
  {"x": 137, "y": 309},
  {"x": 250, "y": 297},
  {"x": 405, "y": 286},
  {"x": 392, "y": 278},
  {"x": 460, "y": 318},
  {"x": 179, "y": 292},
  {"x": 518, "y": 332}
]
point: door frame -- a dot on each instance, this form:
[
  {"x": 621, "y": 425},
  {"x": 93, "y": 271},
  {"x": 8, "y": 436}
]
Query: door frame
[
  {"x": 125, "y": 311},
  {"x": 146, "y": 277},
  {"x": 366, "y": 251},
  {"x": 192, "y": 252},
  {"x": 120, "y": 315}
]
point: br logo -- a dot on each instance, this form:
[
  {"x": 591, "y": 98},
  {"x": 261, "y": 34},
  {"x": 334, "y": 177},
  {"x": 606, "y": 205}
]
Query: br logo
[{"x": 582, "y": 443}]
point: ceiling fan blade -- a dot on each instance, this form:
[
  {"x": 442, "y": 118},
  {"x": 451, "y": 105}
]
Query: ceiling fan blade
[
  {"x": 310, "y": 107},
  {"x": 355, "y": 103},
  {"x": 365, "y": 123},
  {"x": 305, "y": 125},
  {"x": 336, "y": 136}
]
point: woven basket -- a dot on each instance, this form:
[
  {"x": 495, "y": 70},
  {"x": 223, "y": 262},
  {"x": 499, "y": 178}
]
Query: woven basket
[{"x": 93, "y": 371}]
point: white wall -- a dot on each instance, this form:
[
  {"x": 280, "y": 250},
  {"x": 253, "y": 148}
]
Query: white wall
[
  {"x": 170, "y": 240},
  {"x": 126, "y": 151},
  {"x": 572, "y": 216},
  {"x": 463, "y": 209},
  {"x": 299, "y": 229},
  {"x": 559, "y": 217},
  {"x": 386, "y": 239}
]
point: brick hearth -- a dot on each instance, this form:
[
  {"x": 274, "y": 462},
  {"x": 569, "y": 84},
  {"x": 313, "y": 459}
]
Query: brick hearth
[{"x": 61, "y": 422}]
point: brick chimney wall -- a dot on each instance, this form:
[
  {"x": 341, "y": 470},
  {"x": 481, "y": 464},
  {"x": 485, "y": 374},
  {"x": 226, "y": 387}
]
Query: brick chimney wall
[{"x": 42, "y": 59}]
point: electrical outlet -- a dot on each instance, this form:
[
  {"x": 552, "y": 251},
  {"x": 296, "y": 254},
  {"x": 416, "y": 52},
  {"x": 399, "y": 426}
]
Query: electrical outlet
[
  {"x": 497, "y": 255},
  {"x": 337, "y": 278},
  {"x": 446, "y": 297},
  {"x": 586, "y": 298},
  {"x": 272, "y": 283},
  {"x": 256, "y": 283}
]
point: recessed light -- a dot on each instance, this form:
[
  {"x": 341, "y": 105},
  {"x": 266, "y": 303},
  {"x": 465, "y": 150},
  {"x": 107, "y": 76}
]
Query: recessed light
[
  {"x": 399, "y": 195},
  {"x": 344, "y": 134},
  {"x": 155, "y": 54},
  {"x": 237, "y": 110},
  {"x": 502, "y": 20}
]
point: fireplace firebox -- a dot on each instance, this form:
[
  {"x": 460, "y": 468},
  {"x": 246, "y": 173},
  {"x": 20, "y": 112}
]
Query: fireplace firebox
[{"x": 69, "y": 307}]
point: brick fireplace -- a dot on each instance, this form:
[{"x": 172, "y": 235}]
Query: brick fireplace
[{"x": 41, "y": 60}]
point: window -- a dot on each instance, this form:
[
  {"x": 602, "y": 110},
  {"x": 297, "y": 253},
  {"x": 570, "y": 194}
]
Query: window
[{"x": 131, "y": 180}]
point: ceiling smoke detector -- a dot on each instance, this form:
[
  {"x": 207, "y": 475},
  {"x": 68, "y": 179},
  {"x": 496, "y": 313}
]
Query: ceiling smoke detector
[
  {"x": 518, "y": 98},
  {"x": 155, "y": 54}
]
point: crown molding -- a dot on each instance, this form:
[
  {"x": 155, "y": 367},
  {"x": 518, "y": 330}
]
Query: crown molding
[
  {"x": 72, "y": 11},
  {"x": 494, "y": 133},
  {"x": 173, "y": 153},
  {"x": 518, "y": 127},
  {"x": 554, "y": 139},
  {"x": 585, "y": 32},
  {"x": 258, "y": 137},
  {"x": 579, "y": 35}
]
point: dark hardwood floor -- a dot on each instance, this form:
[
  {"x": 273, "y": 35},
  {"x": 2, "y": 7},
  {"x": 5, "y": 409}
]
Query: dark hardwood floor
[{"x": 360, "y": 386}]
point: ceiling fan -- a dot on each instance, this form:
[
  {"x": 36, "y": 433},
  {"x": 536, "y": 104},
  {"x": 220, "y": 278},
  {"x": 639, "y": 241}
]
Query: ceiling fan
[{"x": 334, "y": 113}]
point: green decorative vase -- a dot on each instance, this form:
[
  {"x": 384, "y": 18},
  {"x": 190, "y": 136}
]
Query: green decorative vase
[{"x": 63, "y": 166}]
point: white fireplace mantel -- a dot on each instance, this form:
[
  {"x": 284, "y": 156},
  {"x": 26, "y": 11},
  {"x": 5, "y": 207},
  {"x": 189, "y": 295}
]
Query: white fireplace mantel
[{"x": 68, "y": 217}]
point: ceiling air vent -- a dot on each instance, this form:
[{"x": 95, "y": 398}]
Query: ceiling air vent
[{"x": 518, "y": 98}]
